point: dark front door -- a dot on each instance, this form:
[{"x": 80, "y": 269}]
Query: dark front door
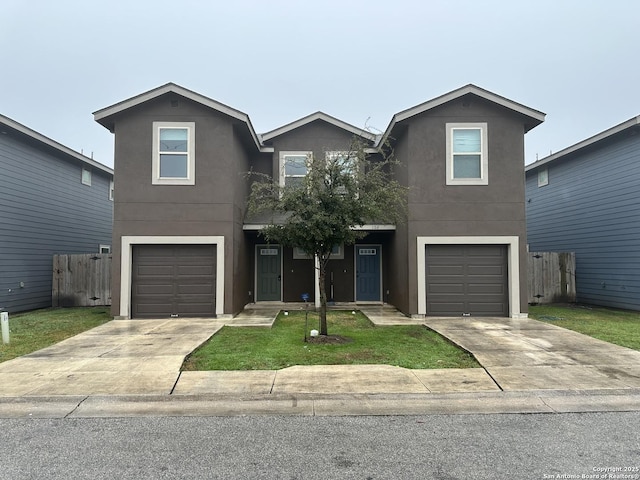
[
  {"x": 268, "y": 273},
  {"x": 368, "y": 273},
  {"x": 173, "y": 280}
]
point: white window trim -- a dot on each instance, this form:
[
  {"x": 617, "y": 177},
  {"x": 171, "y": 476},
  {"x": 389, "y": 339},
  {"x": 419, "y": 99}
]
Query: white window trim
[
  {"x": 126, "y": 267},
  {"x": 111, "y": 190},
  {"x": 284, "y": 154},
  {"x": 86, "y": 179},
  {"x": 107, "y": 248},
  {"x": 543, "y": 177},
  {"x": 191, "y": 157},
  {"x": 484, "y": 159},
  {"x": 513, "y": 266}
]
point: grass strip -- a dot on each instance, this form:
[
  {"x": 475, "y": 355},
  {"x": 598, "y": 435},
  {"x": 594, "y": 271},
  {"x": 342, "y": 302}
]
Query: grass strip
[
  {"x": 38, "y": 329},
  {"x": 255, "y": 348},
  {"x": 621, "y": 327}
]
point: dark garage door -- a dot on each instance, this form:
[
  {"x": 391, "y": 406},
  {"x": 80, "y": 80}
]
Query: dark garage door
[
  {"x": 173, "y": 280},
  {"x": 467, "y": 279}
]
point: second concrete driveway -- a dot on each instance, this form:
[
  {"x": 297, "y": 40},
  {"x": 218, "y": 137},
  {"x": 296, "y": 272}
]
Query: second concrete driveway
[{"x": 525, "y": 354}]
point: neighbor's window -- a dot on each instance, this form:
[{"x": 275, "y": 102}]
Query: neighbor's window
[
  {"x": 467, "y": 162},
  {"x": 105, "y": 248},
  {"x": 294, "y": 166},
  {"x": 173, "y": 153},
  {"x": 86, "y": 177},
  {"x": 543, "y": 177},
  {"x": 111, "y": 190}
]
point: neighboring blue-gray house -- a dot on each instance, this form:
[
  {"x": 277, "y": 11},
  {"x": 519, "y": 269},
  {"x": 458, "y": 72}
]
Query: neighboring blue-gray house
[
  {"x": 586, "y": 199},
  {"x": 53, "y": 200}
]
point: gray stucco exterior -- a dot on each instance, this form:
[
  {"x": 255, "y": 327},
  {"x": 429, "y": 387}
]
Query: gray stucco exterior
[
  {"x": 45, "y": 209},
  {"x": 588, "y": 202},
  {"x": 214, "y": 208}
]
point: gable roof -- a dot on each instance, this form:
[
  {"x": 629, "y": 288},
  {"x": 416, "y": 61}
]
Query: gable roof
[
  {"x": 312, "y": 118},
  {"x": 104, "y": 115},
  {"x": 599, "y": 137},
  {"x": 7, "y": 124},
  {"x": 536, "y": 117}
]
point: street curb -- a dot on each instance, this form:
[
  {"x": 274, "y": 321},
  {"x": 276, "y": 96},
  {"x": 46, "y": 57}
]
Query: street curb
[{"x": 523, "y": 402}]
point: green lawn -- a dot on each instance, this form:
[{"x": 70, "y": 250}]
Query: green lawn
[
  {"x": 255, "y": 348},
  {"x": 621, "y": 327},
  {"x": 32, "y": 331}
]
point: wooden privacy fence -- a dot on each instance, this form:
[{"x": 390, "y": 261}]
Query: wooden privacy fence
[
  {"x": 81, "y": 280},
  {"x": 552, "y": 277}
]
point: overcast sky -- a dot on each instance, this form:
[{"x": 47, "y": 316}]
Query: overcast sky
[{"x": 358, "y": 60}]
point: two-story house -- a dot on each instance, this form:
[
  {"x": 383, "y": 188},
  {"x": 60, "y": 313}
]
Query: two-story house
[
  {"x": 183, "y": 245},
  {"x": 53, "y": 200}
]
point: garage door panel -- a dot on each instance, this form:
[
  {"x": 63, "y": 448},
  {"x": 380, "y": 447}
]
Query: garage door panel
[
  {"x": 485, "y": 270},
  {"x": 467, "y": 279},
  {"x": 445, "y": 309},
  {"x": 196, "y": 269},
  {"x": 486, "y": 289},
  {"x": 174, "y": 280},
  {"x": 154, "y": 289},
  {"x": 196, "y": 289},
  {"x": 154, "y": 270},
  {"x": 446, "y": 270},
  {"x": 452, "y": 251},
  {"x": 446, "y": 288}
]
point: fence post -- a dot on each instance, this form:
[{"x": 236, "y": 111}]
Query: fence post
[{"x": 4, "y": 320}]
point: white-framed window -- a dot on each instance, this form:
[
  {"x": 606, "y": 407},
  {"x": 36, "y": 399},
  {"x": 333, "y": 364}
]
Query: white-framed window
[
  {"x": 105, "y": 248},
  {"x": 174, "y": 153},
  {"x": 86, "y": 176},
  {"x": 543, "y": 177},
  {"x": 467, "y": 160},
  {"x": 111, "y": 190},
  {"x": 346, "y": 161},
  {"x": 294, "y": 166},
  {"x": 337, "y": 252}
]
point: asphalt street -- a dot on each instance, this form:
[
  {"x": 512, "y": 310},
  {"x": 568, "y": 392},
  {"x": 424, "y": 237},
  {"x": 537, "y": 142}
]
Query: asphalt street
[{"x": 444, "y": 447}]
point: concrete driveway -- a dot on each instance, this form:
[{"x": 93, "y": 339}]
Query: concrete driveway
[
  {"x": 525, "y": 354},
  {"x": 118, "y": 357},
  {"x": 143, "y": 357}
]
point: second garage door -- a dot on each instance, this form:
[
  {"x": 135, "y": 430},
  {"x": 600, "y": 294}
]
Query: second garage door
[
  {"x": 467, "y": 280},
  {"x": 173, "y": 280}
]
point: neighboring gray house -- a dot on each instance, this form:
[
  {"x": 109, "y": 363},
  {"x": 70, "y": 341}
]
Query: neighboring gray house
[
  {"x": 183, "y": 246},
  {"x": 53, "y": 200},
  {"x": 586, "y": 199}
]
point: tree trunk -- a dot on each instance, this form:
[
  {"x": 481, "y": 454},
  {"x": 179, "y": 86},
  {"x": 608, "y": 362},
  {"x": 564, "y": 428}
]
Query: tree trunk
[{"x": 322, "y": 264}]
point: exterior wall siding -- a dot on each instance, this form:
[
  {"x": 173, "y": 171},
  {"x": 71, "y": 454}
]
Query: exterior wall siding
[
  {"x": 590, "y": 207},
  {"x": 204, "y": 209},
  {"x": 45, "y": 210},
  {"x": 437, "y": 209}
]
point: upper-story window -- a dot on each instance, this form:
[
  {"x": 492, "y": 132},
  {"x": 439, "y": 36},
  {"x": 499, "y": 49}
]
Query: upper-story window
[
  {"x": 342, "y": 165},
  {"x": 294, "y": 166},
  {"x": 86, "y": 177},
  {"x": 174, "y": 153},
  {"x": 543, "y": 177},
  {"x": 467, "y": 161}
]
